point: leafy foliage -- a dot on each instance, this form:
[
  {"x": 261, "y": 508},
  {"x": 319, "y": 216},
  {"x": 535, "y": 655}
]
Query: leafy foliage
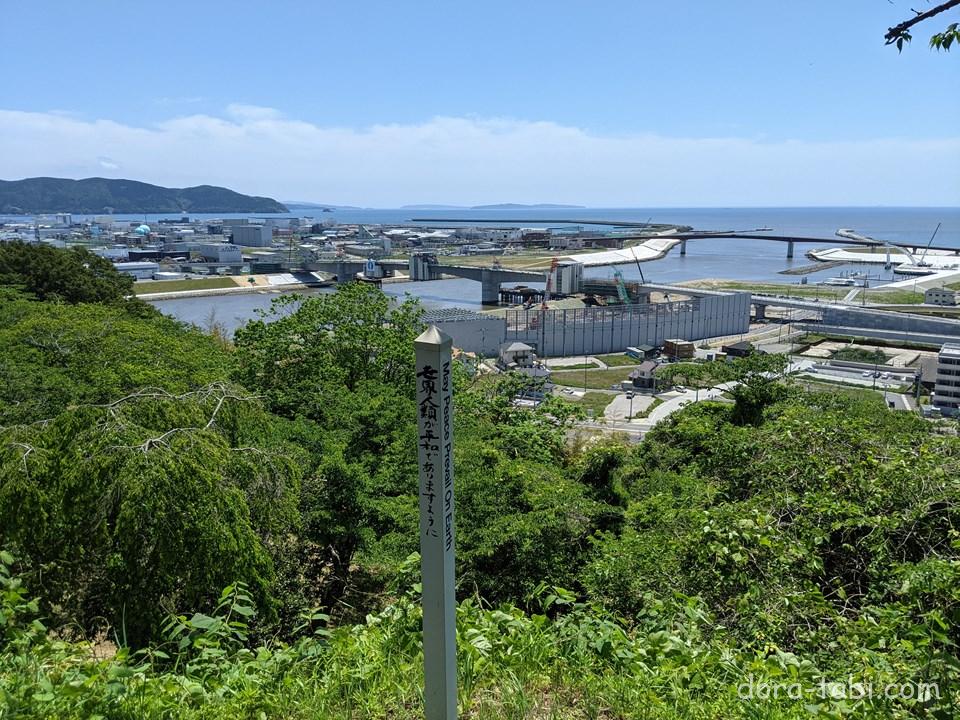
[
  {"x": 787, "y": 537},
  {"x": 861, "y": 355},
  {"x": 72, "y": 276},
  {"x": 53, "y": 356},
  {"x": 150, "y": 501},
  {"x": 943, "y": 40}
]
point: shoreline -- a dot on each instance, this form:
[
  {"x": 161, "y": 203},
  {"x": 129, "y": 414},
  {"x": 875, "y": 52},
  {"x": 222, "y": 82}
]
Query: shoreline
[{"x": 206, "y": 292}]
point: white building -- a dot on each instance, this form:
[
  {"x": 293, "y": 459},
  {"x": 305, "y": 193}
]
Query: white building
[
  {"x": 116, "y": 254},
  {"x": 140, "y": 270},
  {"x": 517, "y": 354},
  {"x": 222, "y": 253},
  {"x": 946, "y": 391},
  {"x": 940, "y": 296},
  {"x": 253, "y": 235}
]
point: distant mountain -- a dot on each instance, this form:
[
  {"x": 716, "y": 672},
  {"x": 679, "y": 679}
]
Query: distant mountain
[
  {"x": 101, "y": 195},
  {"x": 518, "y": 206}
]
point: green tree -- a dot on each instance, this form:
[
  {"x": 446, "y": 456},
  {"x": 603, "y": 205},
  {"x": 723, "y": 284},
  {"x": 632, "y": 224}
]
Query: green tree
[
  {"x": 759, "y": 383},
  {"x": 147, "y": 503},
  {"x": 53, "y": 356},
  {"x": 305, "y": 351},
  {"x": 75, "y": 275}
]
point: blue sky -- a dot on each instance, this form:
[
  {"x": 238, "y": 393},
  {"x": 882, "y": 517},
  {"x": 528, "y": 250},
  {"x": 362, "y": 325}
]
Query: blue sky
[{"x": 383, "y": 103}]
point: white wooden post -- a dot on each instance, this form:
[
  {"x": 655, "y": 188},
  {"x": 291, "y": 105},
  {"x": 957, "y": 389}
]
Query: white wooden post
[{"x": 435, "y": 423}]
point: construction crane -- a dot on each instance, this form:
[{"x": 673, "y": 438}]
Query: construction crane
[
  {"x": 917, "y": 262},
  {"x": 621, "y": 288},
  {"x": 929, "y": 243},
  {"x": 546, "y": 290},
  {"x": 633, "y": 250}
]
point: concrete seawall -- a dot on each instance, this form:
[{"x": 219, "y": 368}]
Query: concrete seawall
[{"x": 208, "y": 292}]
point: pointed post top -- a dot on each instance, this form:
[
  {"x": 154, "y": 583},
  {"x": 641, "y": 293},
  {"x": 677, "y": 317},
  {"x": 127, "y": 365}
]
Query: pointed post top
[{"x": 433, "y": 338}]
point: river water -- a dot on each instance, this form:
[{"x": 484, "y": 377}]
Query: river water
[{"x": 733, "y": 259}]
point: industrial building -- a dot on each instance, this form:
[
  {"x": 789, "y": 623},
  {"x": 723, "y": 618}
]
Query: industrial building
[
  {"x": 221, "y": 253},
  {"x": 940, "y": 296},
  {"x": 252, "y": 235}
]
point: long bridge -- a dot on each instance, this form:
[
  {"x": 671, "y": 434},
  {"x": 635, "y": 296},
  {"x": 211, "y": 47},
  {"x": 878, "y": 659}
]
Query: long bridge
[
  {"x": 792, "y": 239},
  {"x": 683, "y": 237},
  {"x": 490, "y": 278}
]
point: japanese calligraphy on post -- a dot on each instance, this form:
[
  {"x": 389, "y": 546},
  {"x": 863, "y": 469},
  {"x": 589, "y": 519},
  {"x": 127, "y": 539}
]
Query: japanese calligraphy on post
[{"x": 437, "y": 527}]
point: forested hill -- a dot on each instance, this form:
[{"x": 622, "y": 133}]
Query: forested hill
[
  {"x": 196, "y": 528},
  {"x": 100, "y": 195}
]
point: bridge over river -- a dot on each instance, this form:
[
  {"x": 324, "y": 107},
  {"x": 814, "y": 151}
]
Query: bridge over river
[
  {"x": 490, "y": 278},
  {"x": 683, "y": 237}
]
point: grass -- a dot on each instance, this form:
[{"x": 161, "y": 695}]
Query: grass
[
  {"x": 156, "y": 286},
  {"x": 617, "y": 360},
  {"x": 595, "y": 379},
  {"x": 595, "y": 401},
  {"x": 894, "y": 297},
  {"x": 823, "y": 292},
  {"x": 838, "y": 386},
  {"x": 861, "y": 355},
  {"x": 581, "y": 366},
  {"x": 513, "y": 665}
]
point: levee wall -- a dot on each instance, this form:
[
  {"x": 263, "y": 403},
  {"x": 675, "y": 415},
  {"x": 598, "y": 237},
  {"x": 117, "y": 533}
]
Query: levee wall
[
  {"x": 891, "y": 321},
  {"x": 481, "y": 336},
  {"x": 612, "y": 329}
]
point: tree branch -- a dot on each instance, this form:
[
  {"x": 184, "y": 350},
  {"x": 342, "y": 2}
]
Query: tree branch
[{"x": 899, "y": 32}]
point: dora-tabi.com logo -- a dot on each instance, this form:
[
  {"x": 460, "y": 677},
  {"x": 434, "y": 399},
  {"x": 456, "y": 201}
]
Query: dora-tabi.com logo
[{"x": 764, "y": 690}]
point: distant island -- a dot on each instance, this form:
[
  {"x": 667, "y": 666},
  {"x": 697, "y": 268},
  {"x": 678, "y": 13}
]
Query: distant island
[
  {"x": 104, "y": 195},
  {"x": 518, "y": 206},
  {"x": 303, "y": 205},
  {"x": 433, "y": 206},
  {"x": 500, "y": 206}
]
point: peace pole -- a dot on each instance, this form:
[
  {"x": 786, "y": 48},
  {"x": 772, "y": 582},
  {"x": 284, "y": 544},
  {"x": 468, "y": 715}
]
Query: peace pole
[{"x": 435, "y": 457}]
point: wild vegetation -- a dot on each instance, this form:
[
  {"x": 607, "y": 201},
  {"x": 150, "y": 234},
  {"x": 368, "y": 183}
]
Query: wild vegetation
[
  {"x": 862, "y": 355},
  {"x": 201, "y": 529}
]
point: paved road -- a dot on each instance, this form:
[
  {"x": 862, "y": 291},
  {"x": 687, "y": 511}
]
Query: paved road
[
  {"x": 674, "y": 401},
  {"x": 620, "y": 407}
]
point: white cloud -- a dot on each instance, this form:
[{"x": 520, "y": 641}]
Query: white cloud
[
  {"x": 247, "y": 113},
  {"x": 107, "y": 163},
  {"x": 474, "y": 160}
]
